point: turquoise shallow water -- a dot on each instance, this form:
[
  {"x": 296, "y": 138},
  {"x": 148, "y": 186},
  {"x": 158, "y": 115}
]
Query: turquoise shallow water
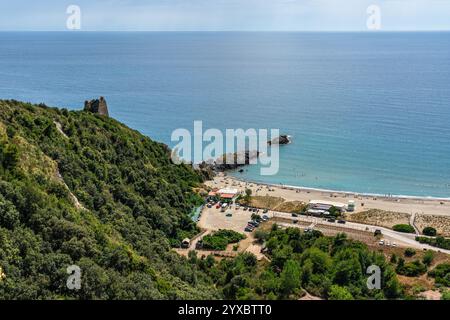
[{"x": 368, "y": 112}]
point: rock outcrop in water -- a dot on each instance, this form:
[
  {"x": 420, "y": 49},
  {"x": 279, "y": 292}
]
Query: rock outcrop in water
[
  {"x": 228, "y": 162},
  {"x": 97, "y": 106},
  {"x": 238, "y": 159},
  {"x": 282, "y": 139}
]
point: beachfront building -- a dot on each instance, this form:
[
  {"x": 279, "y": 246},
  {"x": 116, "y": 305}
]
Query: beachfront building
[
  {"x": 213, "y": 193},
  {"x": 323, "y": 206},
  {"x": 227, "y": 194}
]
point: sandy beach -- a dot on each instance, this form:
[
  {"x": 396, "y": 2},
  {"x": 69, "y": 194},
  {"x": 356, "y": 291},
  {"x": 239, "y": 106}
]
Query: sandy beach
[{"x": 413, "y": 206}]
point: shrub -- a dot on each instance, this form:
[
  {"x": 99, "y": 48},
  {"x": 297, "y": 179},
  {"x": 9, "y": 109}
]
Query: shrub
[
  {"x": 220, "y": 239},
  {"x": 394, "y": 258},
  {"x": 445, "y": 295},
  {"x": 429, "y": 231},
  {"x": 411, "y": 269},
  {"x": 9, "y": 216},
  {"x": 406, "y": 228},
  {"x": 339, "y": 293},
  {"x": 409, "y": 252},
  {"x": 439, "y": 242},
  {"x": 261, "y": 235},
  {"x": 335, "y": 212},
  {"x": 428, "y": 258},
  {"x": 256, "y": 217},
  {"x": 9, "y": 155},
  {"x": 441, "y": 274}
]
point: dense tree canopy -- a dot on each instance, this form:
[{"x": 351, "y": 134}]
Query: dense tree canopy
[
  {"x": 331, "y": 268},
  {"x": 132, "y": 206}
]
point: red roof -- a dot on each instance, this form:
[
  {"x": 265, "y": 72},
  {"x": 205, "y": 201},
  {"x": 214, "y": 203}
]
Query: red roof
[{"x": 227, "y": 195}]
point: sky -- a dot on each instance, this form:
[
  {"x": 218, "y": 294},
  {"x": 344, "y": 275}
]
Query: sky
[{"x": 225, "y": 15}]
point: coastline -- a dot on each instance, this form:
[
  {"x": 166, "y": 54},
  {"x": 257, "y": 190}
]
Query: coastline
[
  {"x": 349, "y": 193},
  {"x": 363, "y": 202}
]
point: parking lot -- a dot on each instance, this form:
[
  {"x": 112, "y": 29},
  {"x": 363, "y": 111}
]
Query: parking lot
[{"x": 215, "y": 219}]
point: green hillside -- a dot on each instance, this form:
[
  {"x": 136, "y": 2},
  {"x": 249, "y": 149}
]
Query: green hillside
[
  {"x": 78, "y": 188},
  {"x": 81, "y": 189}
]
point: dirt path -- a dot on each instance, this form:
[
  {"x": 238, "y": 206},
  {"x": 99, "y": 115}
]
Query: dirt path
[
  {"x": 60, "y": 130},
  {"x": 412, "y": 221}
]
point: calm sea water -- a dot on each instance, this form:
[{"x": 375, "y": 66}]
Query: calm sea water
[{"x": 367, "y": 112}]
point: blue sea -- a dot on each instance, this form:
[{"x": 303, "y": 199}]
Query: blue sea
[{"x": 368, "y": 112}]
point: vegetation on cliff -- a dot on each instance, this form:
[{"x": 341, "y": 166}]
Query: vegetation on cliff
[{"x": 78, "y": 188}]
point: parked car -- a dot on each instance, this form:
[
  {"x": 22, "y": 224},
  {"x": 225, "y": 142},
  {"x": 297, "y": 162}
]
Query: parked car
[
  {"x": 209, "y": 205},
  {"x": 265, "y": 217},
  {"x": 245, "y": 208},
  {"x": 265, "y": 210},
  {"x": 254, "y": 223},
  {"x": 295, "y": 215},
  {"x": 331, "y": 220},
  {"x": 248, "y": 229},
  {"x": 377, "y": 232},
  {"x": 295, "y": 221},
  {"x": 217, "y": 206},
  {"x": 341, "y": 221}
]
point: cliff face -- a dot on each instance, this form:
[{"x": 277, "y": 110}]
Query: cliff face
[{"x": 98, "y": 106}]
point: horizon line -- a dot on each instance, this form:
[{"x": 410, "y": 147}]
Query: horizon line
[{"x": 236, "y": 31}]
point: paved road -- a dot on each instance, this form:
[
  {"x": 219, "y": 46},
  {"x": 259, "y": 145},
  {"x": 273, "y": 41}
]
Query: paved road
[{"x": 401, "y": 238}]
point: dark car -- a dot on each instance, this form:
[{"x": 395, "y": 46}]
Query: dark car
[
  {"x": 341, "y": 221},
  {"x": 331, "y": 220},
  {"x": 295, "y": 215},
  {"x": 254, "y": 223}
]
